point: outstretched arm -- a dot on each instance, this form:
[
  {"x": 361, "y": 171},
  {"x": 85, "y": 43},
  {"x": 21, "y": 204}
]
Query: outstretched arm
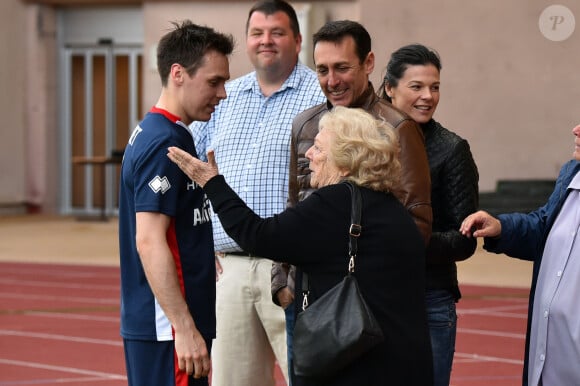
[
  {"x": 199, "y": 171},
  {"x": 480, "y": 224}
]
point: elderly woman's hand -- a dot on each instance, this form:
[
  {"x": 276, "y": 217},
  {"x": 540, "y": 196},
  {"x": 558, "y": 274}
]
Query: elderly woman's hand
[{"x": 199, "y": 171}]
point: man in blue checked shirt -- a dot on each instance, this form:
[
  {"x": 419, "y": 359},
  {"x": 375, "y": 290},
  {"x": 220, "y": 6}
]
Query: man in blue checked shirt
[{"x": 250, "y": 134}]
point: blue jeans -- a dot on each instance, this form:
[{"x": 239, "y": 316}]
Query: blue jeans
[
  {"x": 442, "y": 319},
  {"x": 290, "y": 315}
]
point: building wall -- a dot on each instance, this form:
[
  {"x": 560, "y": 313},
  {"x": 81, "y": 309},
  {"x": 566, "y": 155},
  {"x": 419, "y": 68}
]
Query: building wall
[
  {"x": 505, "y": 87},
  {"x": 13, "y": 152},
  {"x": 42, "y": 127},
  {"x": 227, "y": 17}
]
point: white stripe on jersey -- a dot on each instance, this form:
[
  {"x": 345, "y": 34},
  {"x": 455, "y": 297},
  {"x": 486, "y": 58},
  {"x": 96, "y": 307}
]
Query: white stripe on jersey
[{"x": 162, "y": 324}]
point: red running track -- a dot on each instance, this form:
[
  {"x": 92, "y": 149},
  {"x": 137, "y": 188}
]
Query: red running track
[{"x": 59, "y": 324}]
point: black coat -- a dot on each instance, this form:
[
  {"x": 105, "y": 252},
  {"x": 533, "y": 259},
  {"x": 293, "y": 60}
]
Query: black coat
[
  {"x": 454, "y": 196},
  {"x": 390, "y": 269}
]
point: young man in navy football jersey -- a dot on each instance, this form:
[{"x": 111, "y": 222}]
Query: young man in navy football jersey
[{"x": 165, "y": 234}]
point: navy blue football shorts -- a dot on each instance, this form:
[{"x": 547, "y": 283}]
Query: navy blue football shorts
[{"x": 154, "y": 363}]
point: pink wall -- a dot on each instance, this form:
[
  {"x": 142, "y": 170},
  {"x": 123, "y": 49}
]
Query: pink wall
[{"x": 505, "y": 87}]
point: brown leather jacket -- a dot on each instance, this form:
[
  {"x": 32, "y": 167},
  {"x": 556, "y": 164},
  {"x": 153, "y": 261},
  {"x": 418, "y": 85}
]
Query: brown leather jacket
[{"x": 414, "y": 191}]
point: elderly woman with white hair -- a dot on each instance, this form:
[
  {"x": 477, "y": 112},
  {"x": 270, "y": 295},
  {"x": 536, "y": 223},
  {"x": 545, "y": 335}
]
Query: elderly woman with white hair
[{"x": 390, "y": 266}]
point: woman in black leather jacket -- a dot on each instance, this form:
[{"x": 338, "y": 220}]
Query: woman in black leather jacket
[{"x": 411, "y": 84}]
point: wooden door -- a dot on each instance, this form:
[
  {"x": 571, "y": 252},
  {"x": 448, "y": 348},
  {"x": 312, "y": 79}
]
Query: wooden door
[{"x": 104, "y": 99}]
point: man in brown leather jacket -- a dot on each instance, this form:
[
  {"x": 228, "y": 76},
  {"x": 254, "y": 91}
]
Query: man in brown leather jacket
[{"x": 344, "y": 61}]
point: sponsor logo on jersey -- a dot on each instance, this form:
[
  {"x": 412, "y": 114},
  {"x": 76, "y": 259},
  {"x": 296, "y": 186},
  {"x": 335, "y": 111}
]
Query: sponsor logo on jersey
[
  {"x": 202, "y": 215},
  {"x": 134, "y": 135},
  {"x": 192, "y": 185},
  {"x": 160, "y": 184}
]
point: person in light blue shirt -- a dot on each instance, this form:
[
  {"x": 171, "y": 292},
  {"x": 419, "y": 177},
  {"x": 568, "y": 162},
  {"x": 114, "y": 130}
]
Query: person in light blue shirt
[
  {"x": 550, "y": 237},
  {"x": 250, "y": 134}
]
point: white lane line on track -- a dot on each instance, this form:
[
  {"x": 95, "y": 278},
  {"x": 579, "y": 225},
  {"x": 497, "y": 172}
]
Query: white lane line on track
[
  {"x": 77, "y": 339},
  {"x": 69, "y": 316},
  {"x": 51, "y": 284},
  {"x": 498, "y": 314},
  {"x": 491, "y": 333},
  {"x": 523, "y": 298},
  {"x": 473, "y": 357},
  {"x": 60, "y": 298},
  {"x": 68, "y": 271},
  {"x": 72, "y": 370},
  {"x": 510, "y": 307},
  {"x": 60, "y": 381},
  {"x": 503, "y": 311}
]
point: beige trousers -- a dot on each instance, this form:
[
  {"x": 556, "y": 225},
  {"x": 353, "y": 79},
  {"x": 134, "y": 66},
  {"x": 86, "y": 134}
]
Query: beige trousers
[{"x": 251, "y": 329}]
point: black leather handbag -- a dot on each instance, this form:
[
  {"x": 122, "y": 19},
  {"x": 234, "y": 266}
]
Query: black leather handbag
[{"x": 339, "y": 327}]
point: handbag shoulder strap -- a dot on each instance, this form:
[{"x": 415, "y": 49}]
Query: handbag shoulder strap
[
  {"x": 354, "y": 232},
  {"x": 355, "y": 228}
]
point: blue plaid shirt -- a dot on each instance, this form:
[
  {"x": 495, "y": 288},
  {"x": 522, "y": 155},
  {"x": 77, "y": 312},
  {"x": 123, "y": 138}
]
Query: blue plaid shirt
[{"x": 250, "y": 134}]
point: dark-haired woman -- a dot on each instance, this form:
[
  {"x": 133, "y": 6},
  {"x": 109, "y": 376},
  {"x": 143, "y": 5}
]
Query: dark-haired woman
[{"x": 411, "y": 83}]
